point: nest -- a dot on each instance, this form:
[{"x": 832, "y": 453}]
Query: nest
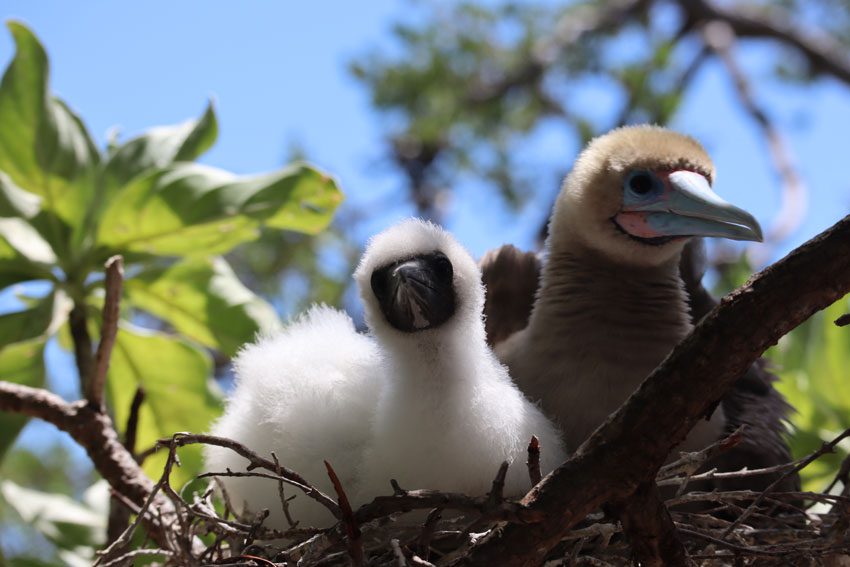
[{"x": 716, "y": 528}]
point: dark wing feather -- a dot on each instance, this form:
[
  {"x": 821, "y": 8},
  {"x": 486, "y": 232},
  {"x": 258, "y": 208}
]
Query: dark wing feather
[{"x": 511, "y": 278}]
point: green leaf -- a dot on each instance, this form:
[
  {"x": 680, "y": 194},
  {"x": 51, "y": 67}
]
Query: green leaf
[
  {"x": 15, "y": 202},
  {"x": 189, "y": 209},
  {"x": 24, "y": 254},
  {"x": 21, "y": 363},
  {"x": 44, "y": 147},
  {"x": 812, "y": 362},
  {"x": 68, "y": 523},
  {"x": 158, "y": 148},
  {"x": 41, "y": 320},
  {"x": 204, "y": 300},
  {"x": 178, "y": 395}
]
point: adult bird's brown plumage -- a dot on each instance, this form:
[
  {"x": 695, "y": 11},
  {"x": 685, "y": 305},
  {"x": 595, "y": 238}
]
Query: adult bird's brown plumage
[{"x": 613, "y": 299}]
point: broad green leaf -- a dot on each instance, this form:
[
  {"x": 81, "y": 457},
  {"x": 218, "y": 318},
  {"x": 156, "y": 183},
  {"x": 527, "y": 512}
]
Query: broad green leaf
[
  {"x": 15, "y": 202},
  {"x": 204, "y": 300},
  {"x": 24, "y": 254},
  {"x": 21, "y": 363},
  {"x": 41, "y": 320},
  {"x": 178, "y": 395},
  {"x": 68, "y": 523},
  {"x": 189, "y": 209},
  {"x": 157, "y": 148},
  {"x": 44, "y": 147},
  {"x": 812, "y": 362}
]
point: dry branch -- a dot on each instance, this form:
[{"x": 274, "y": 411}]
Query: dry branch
[
  {"x": 675, "y": 396},
  {"x": 823, "y": 53},
  {"x": 109, "y": 330},
  {"x": 256, "y": 461},
  {"x": 90, "y": 428}
]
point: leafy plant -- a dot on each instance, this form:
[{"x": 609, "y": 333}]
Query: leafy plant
[
  {"x": 67, "y": 206},
  {"x": 813, "y": 362}
]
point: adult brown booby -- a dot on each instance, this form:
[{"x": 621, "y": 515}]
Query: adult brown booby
[{"x": 611, "y": 303}]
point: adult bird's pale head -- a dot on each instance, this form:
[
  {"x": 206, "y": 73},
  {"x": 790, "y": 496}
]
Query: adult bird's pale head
[
  {"x": 415, "y": 278},
  {"x": 638, "y": 193}
]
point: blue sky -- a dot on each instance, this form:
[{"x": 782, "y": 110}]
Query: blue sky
[{"x": 277, "y": 71}]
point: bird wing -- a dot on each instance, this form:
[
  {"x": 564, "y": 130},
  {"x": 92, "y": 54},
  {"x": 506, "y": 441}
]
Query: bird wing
[
  {"x": 307, "y": 394},
  {"x": 511, "y": 278}
]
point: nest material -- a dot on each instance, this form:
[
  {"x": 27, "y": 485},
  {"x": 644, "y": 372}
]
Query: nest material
[{"x": 717, "y": 528}]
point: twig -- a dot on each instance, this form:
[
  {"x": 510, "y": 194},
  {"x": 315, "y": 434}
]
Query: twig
[
  {"x": 409, "y": 500},
  {"x": 400, "y": 559},
  {"x": 109, "y": 330},
  {"x": 256, "y": 461},
  {"x": 495, "y": 497},
  {"x": 78, "y": 323},
  {"x": 125, "y": 536},
  {"x": 825, "y": 448},
  {"x": 533, "y": 462},
  {"x": 720, "y": 38},
  {"x": 91, "y": 429},
  {"x": 424, "y": 543},
  {"x": 284, "y": 503},
  {"x": 133, "y": 420},
  {"x": 127, "y": 558},
  {"x": 352, "y": 528},
  {"x": 824, "y": 53}
]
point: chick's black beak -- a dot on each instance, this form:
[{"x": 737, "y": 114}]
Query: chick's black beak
[{"x": 417, "y": 293}]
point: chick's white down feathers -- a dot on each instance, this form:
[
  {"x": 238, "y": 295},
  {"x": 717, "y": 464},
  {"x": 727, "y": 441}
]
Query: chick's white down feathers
[
  {"x": 431, "y": 408},
  {"x": 448, "y": 413},
  {"x": 307, "y": 394}
]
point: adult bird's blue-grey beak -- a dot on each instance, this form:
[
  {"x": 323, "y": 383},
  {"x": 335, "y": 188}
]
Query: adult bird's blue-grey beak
[
  {"x": 417, "y": 293},
  {"x": 680, "y": 203}
]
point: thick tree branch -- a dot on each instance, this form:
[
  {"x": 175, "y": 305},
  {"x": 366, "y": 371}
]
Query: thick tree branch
[
  {"x": 673, "y": 398},
  {"x": 650, "y": 529},
  {"x": 90, "y": 428}
]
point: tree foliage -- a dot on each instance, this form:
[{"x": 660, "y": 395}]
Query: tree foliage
[{"x": 67, "y": 206}]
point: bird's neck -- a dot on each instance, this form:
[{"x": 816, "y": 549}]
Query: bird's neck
[
  {"x": 438, "y": 360},
  {"x": 639, "y": 312}
]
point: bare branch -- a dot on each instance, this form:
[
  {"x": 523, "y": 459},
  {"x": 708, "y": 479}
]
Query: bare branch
[
  {"x": 255, "y": 461},
  {"x": 650, "y": 529},
  {"x": 720, "y": 38},
  {"x": 698, "y": 371},
  {"x": 824, "y": 54},
  {"x": 78, "y": 323},
  {"x": 825, "y": 448},
  {"x": 109, "y": 329},
  {"x": 90, "y": 428}
]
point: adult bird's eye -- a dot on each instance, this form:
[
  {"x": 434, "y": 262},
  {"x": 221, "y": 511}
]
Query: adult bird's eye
[{"x": 641, "y": 182}]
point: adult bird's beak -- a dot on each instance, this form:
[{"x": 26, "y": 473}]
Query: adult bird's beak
[
  {"x": 416, "y": 294},
  {"x": 686, "y": 207}
]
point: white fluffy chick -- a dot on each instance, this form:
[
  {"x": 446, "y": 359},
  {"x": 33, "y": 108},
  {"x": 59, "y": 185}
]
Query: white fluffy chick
[
  {"x": 307, "y": 394},
  {"x": 448, "y": 413}
]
